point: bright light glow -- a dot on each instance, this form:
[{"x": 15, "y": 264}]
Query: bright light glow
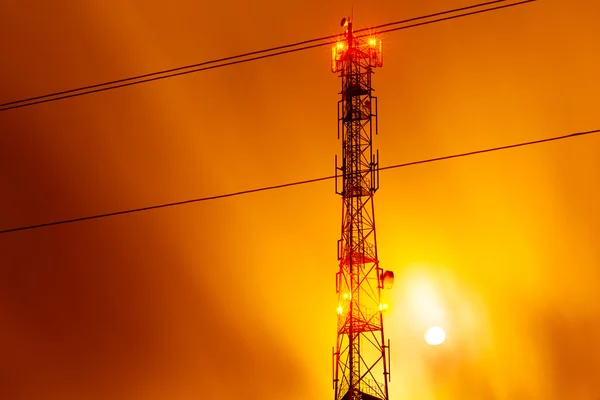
[
  {"x": 425, "y": 299},
  {"x": 346, "y": 296},
  {"x": 372, "y": 42},
  {"x": 340, "y": 45},
  {"x": 340, "y": 310},
  {"x": 383, "y": 307},
  {"x": 435, "y": 336}
]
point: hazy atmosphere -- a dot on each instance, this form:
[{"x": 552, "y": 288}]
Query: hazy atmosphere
[{"x": 235, "y": 297}]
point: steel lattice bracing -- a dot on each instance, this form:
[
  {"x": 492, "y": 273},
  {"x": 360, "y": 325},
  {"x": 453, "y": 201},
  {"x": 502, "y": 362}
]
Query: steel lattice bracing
[{"x": 360, "y": 356}]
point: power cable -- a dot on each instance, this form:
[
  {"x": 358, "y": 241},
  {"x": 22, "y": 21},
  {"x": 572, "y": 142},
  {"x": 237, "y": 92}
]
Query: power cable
[
  {"x": 243, "y": 58},
  {"x": 296, "y": 183},
  {"x": 455, "y": 16}
]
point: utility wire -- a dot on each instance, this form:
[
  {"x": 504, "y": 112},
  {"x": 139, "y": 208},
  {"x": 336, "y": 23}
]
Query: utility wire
[
  {"x": 296, "y": 183},
  {"x": 472, "y": 153},
  {"x": 454, "y": 16},
  {"x": 251, "y": 56}
]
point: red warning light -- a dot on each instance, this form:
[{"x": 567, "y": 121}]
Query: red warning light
[{"x": 337, "y": 52}]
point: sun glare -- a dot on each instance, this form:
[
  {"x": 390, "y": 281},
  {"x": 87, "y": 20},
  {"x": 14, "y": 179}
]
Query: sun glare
[{"x": 435, "y": 336}]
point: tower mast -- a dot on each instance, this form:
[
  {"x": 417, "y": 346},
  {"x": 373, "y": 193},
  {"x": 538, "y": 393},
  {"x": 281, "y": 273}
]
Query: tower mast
[{"x": 361, "y": 356}]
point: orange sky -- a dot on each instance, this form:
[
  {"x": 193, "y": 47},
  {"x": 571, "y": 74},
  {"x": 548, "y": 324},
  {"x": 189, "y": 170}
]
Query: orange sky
[{"x": 236, "y": 298}]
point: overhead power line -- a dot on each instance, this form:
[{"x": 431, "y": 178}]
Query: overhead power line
[
  {"x": 296, "y": 183},
  {"x": 257, "y": 55}
]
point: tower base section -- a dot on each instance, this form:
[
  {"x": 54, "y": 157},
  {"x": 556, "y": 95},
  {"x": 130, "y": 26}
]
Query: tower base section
[{"x": 363, "y": 396}]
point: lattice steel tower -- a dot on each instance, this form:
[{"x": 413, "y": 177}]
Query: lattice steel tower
[{"x": 361, "y": 355}]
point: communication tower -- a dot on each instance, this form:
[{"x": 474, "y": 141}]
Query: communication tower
[{"x": 361, "y": 356}]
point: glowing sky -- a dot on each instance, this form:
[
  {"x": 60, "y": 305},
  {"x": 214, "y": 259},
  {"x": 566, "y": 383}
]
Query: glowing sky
[{"x": 236, "y": 297}]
